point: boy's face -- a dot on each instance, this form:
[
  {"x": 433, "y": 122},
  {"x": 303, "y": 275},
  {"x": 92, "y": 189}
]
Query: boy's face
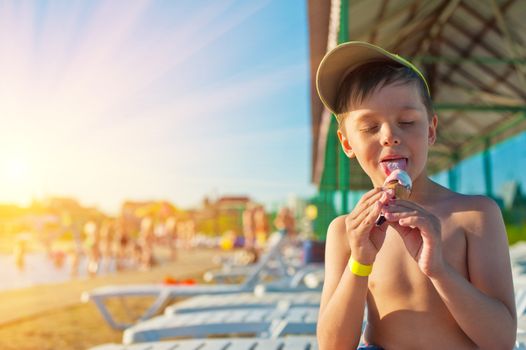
[{"x": 392, "y": 123}]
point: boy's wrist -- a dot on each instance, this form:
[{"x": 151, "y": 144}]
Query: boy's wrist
[
  {"x": 365, "y": 258},
  {"x": 359, "y": 269},
  {"x": 439, "y": 273}
]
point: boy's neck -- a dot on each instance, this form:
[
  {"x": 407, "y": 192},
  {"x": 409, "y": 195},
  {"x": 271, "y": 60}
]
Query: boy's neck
[{"x": 424, "y": 189}]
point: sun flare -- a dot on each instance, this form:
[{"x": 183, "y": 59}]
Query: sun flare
[
  {"x": 17, "y": 180},
  {"x": 17, "y": 170}
]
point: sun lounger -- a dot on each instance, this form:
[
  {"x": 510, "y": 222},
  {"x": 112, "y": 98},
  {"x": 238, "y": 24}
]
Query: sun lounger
[
  {"x": 520, "y": 301},
  {"x": 166, "y": 293},
  {"x": 266, "y": 323},
  {"x": 288, "y": 343},
  {"x": 244, "y": 301},
  {"x": 281, "y": 260}
]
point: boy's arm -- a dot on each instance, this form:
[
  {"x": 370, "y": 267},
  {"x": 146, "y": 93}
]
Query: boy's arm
[
  {"x": 344, "y": 294},
  {"x": 484, "y": 308},
  {"x": 343, "y": 297}
]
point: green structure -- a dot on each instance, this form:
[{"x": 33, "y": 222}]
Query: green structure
[{"x": 473, "y": 59}]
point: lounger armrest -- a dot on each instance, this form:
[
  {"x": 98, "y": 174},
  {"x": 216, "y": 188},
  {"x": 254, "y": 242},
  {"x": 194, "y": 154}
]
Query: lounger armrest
[{"x": 100, "y": 295}]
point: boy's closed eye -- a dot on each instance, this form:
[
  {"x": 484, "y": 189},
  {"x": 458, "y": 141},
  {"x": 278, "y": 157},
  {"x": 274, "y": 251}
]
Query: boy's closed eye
[{"x": 369, "y": 128}]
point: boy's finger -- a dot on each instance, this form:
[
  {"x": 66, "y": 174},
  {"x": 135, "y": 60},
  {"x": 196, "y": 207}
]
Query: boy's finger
[
  {"x": 357, "y": 223},
  {"x": 405, "y": 204},
  {"x": 367, "y": 196},
  {"x": 393, "y": 207},
  {"x": 372, "y": 200},
  {"x": 372, "y": 215},
  {"x": 395, "y": 216},
  {"x": 364, "y": 206},
  {"x": 360, "y": 213}
]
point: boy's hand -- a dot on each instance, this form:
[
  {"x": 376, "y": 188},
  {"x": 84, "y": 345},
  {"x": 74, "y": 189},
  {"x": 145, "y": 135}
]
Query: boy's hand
[
  {"x": 421, "y": 233},
  {"x": 365, "y": 238}
]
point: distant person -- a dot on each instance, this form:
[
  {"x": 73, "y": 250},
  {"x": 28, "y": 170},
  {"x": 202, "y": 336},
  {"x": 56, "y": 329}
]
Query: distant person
[
  {"x": 170, "y": 229},
  {"x": 249, "y": 229},
  {"x": 76, "y": 251},
  {"x": 261, "y": 227},
  {"x": 107, "y": 232},
  {"x": 123, "y": 244},
  {"x": 190, "y": 232},
  {"x": 146, "y": 242},
  {"x": 285, "y": 223},
  {"x": 92, "y": 244},
  {"x": 186, "y": 231},
  {"x": 19, "y": 253}
]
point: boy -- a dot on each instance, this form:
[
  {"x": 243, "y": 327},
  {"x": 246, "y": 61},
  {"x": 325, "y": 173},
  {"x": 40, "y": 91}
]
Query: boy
[{"x": 442, "y": 276}]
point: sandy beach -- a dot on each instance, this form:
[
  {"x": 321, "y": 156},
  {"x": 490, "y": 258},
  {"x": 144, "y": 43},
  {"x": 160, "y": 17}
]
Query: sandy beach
[{"x": 52, "y": 317}]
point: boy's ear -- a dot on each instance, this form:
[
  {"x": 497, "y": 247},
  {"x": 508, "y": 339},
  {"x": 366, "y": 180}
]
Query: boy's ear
[
  {"x": 432, "y": 133},
  {"x": 345, "y": 144}
]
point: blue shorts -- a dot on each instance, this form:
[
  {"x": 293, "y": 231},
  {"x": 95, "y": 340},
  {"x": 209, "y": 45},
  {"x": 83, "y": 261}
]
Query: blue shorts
[{"x": 369, "y": 347}]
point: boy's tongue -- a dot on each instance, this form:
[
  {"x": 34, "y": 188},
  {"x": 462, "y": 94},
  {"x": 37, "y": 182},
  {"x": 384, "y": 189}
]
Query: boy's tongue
[{"x": 391, "y": 165}]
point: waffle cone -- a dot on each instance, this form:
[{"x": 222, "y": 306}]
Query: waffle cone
[{"x": 400, "y": 191}]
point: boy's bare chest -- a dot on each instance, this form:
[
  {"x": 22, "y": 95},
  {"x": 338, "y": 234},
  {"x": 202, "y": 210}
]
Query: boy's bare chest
[
  {"x": 402, "y": 299},
  {"x": 396, "y": 277}
]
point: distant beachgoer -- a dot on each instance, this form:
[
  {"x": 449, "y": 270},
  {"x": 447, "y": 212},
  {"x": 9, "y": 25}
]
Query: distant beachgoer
[
  {"x": 122, "y": 243},
  {"x": 19, "y": 253},
  {"x": 92, "y": 244},
  {"x": 146, "y": 242},
  {"x": 58, "y": 257},
  {"x": 248, "y": 227},
  {"x": 190, "y": 232},
  {"x": 170, "y": 231},
  {"x": 76, "y": 251},
  {"x": 186, "y": 229},
  {"x": 285, "y": 223},
  {"x": 261, "y": 227},
  {"x": 107, "y": 232}
]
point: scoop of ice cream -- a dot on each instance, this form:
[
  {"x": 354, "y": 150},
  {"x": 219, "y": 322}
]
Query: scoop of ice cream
[{"x": 400, "y": 182}]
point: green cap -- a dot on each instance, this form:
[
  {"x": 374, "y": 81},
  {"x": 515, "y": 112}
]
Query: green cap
[{"x": 345, "y": 58}]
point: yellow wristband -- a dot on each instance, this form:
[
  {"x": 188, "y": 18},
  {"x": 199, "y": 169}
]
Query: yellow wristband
[{"x": 359, "y": 269}]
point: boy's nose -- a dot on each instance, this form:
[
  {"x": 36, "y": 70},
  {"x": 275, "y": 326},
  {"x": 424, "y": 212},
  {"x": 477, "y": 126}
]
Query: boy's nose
[
  {"x": 390, "y": 138},
  {"x": 391, "y": 141}
]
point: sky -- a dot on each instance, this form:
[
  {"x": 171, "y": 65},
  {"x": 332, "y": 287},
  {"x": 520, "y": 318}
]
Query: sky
[
  {"x": 508, "y": 161},
  {"x": 107, "y": 101}
]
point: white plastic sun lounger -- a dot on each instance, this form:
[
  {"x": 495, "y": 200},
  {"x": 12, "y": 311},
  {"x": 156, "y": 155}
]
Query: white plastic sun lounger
[
  {"x": 265, "y": 323},
  {"x": 245, "y": 301},
  {"x": 288, "y": 343},
  {"x": 286, "y": 261},
  {"x": 165, "y": 293},
  {"x": 520, "y": 301}
]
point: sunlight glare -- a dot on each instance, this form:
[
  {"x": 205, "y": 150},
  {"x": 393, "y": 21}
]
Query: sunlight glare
[
  {"x": 18, "y": 181},
  {"x": 17, "y": 170}
]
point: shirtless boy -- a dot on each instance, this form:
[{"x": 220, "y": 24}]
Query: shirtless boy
[{"x": 436, "y": 273}]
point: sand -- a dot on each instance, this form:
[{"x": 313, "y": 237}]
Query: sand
[{"x": 52, "y": 317}]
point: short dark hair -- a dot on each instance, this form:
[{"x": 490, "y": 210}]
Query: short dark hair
[{"x": 364, "y": 80}]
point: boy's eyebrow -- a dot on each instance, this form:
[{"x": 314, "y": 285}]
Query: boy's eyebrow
[
  {"x": 370, "y": 113},
  {"x": 363, "y": 116},
  {"x": 412, "y": 107}
]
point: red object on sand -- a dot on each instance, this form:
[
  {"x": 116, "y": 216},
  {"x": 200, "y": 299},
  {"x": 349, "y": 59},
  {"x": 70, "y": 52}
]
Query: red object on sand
[{"x": 170, "y": 280}]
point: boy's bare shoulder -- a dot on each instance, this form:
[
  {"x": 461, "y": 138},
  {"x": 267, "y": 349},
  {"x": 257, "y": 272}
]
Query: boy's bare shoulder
[
  {"x": 476, "y": 203},
  {"x": 338, "y": 223},
  {"x": 472, "y": 211},
  {"x": 337, "y": 231}
]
